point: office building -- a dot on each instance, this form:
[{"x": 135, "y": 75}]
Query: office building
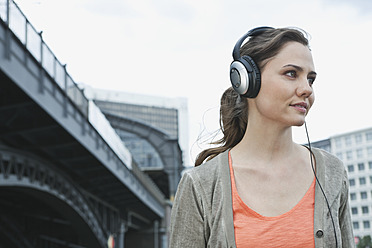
[{"x": 355, "y": 150}]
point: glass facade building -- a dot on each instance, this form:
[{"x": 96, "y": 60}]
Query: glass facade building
[
  {"x": 143, "y": 152},
  {"x": 163, "y": 119}
]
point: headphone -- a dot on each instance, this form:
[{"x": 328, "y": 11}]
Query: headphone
[{"x": 245, "y": 75}]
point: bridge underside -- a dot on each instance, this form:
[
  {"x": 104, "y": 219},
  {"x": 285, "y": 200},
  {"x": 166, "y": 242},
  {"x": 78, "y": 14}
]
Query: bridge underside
[
  {"x": 30, "y": 218},
  {"x": 27, "y": 127}
]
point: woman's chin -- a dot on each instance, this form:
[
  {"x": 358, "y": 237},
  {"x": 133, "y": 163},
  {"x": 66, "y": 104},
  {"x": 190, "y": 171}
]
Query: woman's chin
[{"x": 299, "y": 123}]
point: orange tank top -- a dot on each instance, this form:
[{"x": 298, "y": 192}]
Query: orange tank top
[{"x": 294, "y": 228}]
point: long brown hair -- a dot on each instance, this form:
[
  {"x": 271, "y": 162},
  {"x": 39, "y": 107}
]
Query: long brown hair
[{"x": 234, "y": 108}]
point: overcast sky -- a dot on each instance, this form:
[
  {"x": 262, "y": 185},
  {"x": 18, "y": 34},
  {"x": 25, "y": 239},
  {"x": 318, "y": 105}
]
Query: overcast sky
[{"x": 182, "y": 48}]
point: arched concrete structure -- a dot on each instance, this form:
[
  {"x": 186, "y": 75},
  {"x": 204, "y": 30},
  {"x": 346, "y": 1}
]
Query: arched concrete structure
[
  {"x": 168, "y": 149},
  {"x": 39, "y": 185}
]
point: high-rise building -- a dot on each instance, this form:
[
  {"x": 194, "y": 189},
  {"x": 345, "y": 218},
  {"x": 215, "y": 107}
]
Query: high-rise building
[{"x": 355, "y": 150}]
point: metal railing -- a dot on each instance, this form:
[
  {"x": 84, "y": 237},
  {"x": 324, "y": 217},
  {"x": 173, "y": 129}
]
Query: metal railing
[
  {"x": 33, "y": 41},
  {"x": 11, "y": 14}
]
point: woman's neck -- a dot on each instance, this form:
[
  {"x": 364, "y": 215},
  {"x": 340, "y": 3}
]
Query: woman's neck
[{"x": 265, "y": 144}]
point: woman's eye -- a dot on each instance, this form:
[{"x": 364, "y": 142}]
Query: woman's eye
[
  {"x": 291, "y": 74},
  {"x": 311, "y": 80}
]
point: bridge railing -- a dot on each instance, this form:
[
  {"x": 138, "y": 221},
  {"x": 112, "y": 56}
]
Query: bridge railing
[
  {"x": 11, "y": 14},
  {"x": 33, "y": 41}
]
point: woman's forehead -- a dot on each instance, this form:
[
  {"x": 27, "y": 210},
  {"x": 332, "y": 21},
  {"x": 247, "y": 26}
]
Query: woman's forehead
[{"x": 294, "y": 53}]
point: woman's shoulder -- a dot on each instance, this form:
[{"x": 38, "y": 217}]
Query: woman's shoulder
[
  {"x": 331, "y": 162},
  {"x": 209, "y": 170},
  {"x": 326, "y": 156}
]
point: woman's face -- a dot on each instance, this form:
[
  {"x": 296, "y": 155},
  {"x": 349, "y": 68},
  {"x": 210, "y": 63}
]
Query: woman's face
[{"x": 286, "y": 93}]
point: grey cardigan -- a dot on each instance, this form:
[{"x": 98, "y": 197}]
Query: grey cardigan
[{"x": 202, "y": 213}]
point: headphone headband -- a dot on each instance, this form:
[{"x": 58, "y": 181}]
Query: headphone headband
[{"x": 253, "y": 32}]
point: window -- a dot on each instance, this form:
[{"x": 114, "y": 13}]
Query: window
[
  {"x": 349, "y": 155},
  {"x": 354, "y": 211},
  {"x": 362, "y": 180},
  {"x": 350, "y": 168},
  {"x": 358, "y": 138},
  {"x": 370, "y": 165},
  {"x": 366, "y": 224},
  {"x": 338, "y": 143},
  {"x": 348, "y": 141},
  {"x": 363, "y": 195},
  {"x": 365, "y": 210},
  {"x": 369, "y": 150},
  {"x": 355, "y": 224},
  {"x": 352, "y": 182},
  {"x": 361, "y": 166},
  {"x": 359, "y": 153},
  {"x": 353, "y": 196},
  {"x": 369, "y": 136}
]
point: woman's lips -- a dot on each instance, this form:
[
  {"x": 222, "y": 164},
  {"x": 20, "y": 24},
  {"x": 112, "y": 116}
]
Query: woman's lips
[{"x": 302, "y": 107}]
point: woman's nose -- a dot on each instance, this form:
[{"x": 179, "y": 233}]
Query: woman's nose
[{"x": 304, "y": 88}]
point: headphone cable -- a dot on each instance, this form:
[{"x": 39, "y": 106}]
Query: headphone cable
[{"x": 320, "y": 186}]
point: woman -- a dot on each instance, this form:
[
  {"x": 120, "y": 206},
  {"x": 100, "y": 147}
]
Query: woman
[{"x": 258, "y": 188}]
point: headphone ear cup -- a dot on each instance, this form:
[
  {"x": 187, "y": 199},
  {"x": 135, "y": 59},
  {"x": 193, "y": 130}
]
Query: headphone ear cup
[
  {"x": 239, "y": 77},
  {"x": 245, "y": 77}
]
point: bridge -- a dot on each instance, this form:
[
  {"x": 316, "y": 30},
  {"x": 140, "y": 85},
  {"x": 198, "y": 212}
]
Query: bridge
[{"x": 66, "y": 178}]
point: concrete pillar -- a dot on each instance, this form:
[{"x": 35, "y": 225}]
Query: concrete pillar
[
  {"x": 156, "y": 234},
  {"x": 121, "y": 236}
]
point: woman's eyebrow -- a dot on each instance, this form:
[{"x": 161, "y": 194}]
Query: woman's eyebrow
[{"x": 299, "y": 68}]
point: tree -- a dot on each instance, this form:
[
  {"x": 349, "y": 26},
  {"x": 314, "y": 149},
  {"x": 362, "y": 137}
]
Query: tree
[{"x": 365, "y": 242}]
